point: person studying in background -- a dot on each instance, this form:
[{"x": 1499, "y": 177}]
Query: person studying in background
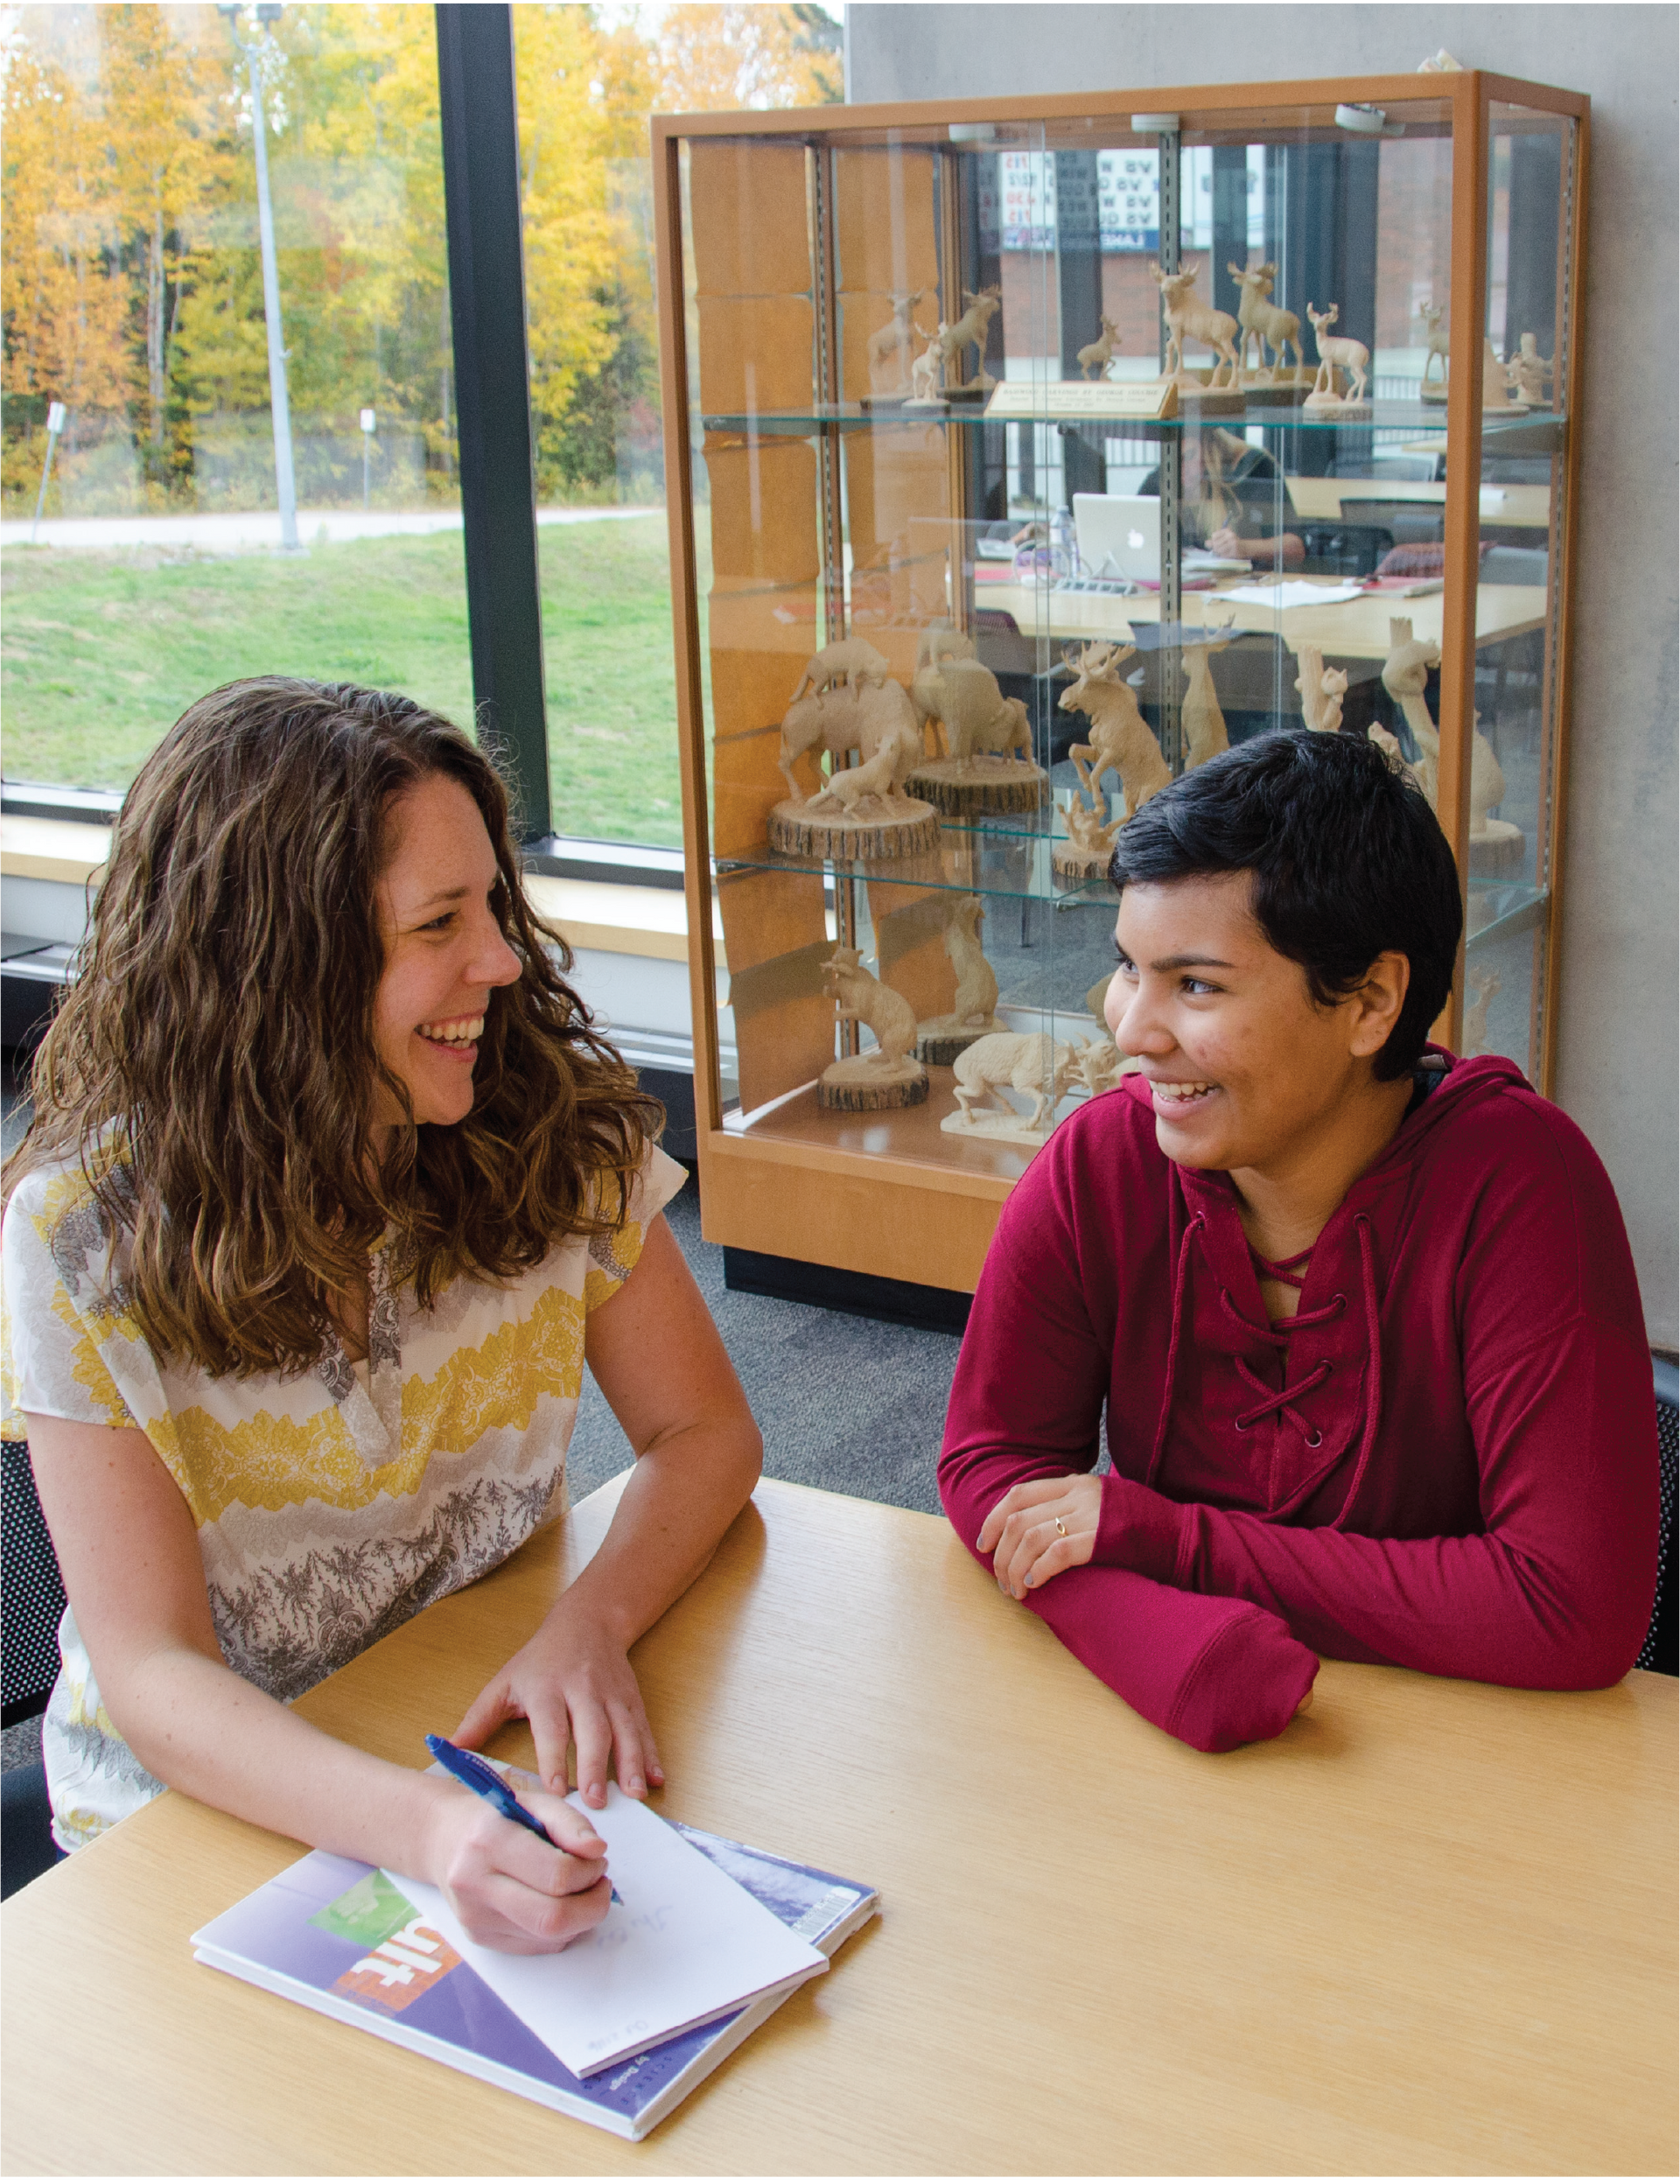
[
  {"x": 1357, "y": 1321},
  {"x": 331, "y": 1191},
  {"x": 1232, "y": 495}
]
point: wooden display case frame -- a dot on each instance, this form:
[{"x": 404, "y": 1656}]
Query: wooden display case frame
[{"x": 930, "y": 1222}]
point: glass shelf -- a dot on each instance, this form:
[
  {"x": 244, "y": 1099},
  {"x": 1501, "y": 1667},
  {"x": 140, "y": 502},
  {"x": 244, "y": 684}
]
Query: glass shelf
[
  {"x": 1007, "y": 856},
  {"x": 1498, "y": 910},
  {"x": 1534, "y": 432}
]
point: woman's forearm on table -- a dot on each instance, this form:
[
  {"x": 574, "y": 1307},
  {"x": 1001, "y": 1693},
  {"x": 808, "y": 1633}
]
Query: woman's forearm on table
[
  {"x": 680, "y": 1499},
  {"x": 201, "y": 1729}
]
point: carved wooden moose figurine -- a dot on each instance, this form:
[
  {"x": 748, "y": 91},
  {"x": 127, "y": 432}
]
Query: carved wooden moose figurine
[{"x": 1121, "y": 742}]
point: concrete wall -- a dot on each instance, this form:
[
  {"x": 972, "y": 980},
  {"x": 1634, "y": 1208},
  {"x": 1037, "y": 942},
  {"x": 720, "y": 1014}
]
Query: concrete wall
[{"x": 1617, "y": 1073}]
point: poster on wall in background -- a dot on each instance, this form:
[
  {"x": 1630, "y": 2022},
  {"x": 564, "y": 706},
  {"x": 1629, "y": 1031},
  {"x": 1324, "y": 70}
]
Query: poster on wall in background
[{"x": 1030, "y": 200}]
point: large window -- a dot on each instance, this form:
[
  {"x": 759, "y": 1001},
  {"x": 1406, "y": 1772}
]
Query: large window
[
  {"x": 140, "y": 314},
  {"x": 229, "y": 439},
  {"x": 585, "y": 89}
]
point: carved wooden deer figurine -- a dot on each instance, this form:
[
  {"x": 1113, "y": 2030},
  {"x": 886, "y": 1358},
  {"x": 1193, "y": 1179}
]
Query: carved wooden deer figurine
[
  {"x": 924, "y": 373},
  {"x": 1262, "y": 320},
  {"x": 976, "y": 982},
  {"x": 861, "y": 998},
  {"x": 1336, "y": 349},
  {"x": 1204, "y": 723},
  {"x": 1097, "y": 354},
  {"x": 1187, "y": 316},
  {"x": 1121, "y": 742},
  {"x": 891, "y": 344},
  {"x": 1322, "y": 689},
  {"x": 1431, "y": 315},
  {"x": 970, "y": 329}
]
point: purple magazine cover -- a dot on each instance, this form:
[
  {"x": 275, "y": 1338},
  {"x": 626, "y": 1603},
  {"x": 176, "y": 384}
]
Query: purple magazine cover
[{"x": 342, "y": 1929}]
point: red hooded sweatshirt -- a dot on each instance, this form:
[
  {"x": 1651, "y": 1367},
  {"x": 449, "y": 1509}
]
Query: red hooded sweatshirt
[{"x": 1445, "y": 1459}]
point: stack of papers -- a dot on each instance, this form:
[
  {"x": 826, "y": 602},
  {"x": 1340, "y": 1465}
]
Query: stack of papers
[
  {"x": 708, "y": 1939},
  {"x": 1284, "y": 592}
]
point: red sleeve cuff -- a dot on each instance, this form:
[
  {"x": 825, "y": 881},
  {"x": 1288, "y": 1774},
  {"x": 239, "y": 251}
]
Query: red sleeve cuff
[{"x": 1138, "y": 1529}]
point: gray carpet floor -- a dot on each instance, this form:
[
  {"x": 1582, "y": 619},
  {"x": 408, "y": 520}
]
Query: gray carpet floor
[{"x": 855, "y": 1405}]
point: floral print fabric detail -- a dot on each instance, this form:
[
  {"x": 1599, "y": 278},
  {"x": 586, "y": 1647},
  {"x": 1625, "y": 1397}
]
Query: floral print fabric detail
[{"x": 328, "y": 1512}]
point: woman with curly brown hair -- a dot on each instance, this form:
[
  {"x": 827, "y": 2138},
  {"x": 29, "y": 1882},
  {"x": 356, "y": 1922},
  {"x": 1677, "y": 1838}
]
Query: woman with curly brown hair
[{"x": 329, "y": 1193}]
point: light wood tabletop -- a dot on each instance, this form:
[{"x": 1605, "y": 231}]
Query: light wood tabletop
[
  {"x": 1351, "y": 629},
  {"x": 1431, "y": 1928},
  {"x": 1509, "y": 508}
]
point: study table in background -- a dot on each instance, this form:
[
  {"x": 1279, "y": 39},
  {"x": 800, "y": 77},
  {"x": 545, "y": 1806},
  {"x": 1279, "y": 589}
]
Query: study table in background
[
  {"x": 1432, "y": 1926},
  {"x": 1349, "y": 629},
  {"x": 1504, "y": 507}
]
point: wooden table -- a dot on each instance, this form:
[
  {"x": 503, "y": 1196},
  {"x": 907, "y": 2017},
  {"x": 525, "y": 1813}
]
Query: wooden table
[
  {"x": 1516, "y": 507},
  {"x": 1352, "y": 629},
  {"x": 1431, "y": 1928}
]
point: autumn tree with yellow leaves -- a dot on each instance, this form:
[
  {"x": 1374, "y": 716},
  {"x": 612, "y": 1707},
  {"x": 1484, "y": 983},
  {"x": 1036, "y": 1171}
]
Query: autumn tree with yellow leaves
[{"x": 130, "y": 283}]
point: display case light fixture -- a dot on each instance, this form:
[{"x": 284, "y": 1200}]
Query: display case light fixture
[
  {"x": 1368, "y": 121},
  {"x": 974, "y": 132},
  {"x": 1155, "y": 124}
]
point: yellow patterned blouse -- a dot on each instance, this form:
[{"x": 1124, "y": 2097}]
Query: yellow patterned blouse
[{"x": 333, "y": 1504}]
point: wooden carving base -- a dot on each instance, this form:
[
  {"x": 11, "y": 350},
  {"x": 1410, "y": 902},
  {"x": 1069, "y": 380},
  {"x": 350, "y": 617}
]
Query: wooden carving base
[
  {"x": 1072, "y": 867},
  {"x": 1270, "y": 394},
  {"x": 1333, "y": 406},
  {"x": 969, "y": 788},
  {"x": 904, "y": 828},
  {"x": 1501, "y": 853},
  {"x": 864, "y": 1083},
  {"x": 993, "y": 1123},
  {"x": 942, "y": 1039}
]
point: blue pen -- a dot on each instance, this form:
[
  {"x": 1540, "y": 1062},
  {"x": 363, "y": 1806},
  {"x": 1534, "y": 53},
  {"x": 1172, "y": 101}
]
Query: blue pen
[{"x": 482, "y": 1779}]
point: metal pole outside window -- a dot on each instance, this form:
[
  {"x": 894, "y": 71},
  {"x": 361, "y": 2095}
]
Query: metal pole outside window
[{"x": 279, "y": 403}]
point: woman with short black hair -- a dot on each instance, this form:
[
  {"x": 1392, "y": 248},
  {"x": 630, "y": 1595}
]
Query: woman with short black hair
[
  {"x": 1357, "y": 1321},
  {"x": 332, "y": 1190}
]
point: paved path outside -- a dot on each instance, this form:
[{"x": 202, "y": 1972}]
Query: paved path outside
[{"x": 260, "y": 527}]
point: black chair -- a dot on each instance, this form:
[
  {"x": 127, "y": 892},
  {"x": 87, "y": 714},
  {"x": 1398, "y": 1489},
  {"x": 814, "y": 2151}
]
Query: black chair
[
  {"x": 1344, "y": 547},
  {"x": 1412, "y": 523},
  {"x": 1661, "y": 1650},
  {"x": 30, "y": 1603}
]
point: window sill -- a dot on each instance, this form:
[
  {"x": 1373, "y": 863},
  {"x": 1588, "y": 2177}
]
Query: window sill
[
  {"x": 614, "y": 918},
  {"x": 618, "y": 919},
  {"x": 51, "y": 849}
]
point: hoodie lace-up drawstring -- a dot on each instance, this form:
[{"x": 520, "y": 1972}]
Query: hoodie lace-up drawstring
[
  {"x": 1279, "y": 1332},
  {"x": 1283, "y": 1399}
]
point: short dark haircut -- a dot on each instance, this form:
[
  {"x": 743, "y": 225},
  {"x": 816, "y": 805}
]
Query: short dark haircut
[{"x": 1347, "y": 859}]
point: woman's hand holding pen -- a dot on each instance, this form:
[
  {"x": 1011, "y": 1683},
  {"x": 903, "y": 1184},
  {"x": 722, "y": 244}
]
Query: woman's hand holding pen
[
  {"x": 573, "y": 1683},
  {"x": 1041, "y": 1528},
  {"x": 510, "y": 1889}
]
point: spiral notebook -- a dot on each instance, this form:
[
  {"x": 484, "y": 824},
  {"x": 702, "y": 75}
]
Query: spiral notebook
[{"x": 351, "y": 1942}]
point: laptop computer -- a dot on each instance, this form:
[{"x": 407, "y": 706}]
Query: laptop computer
[{"x": 1119, "y": 534}]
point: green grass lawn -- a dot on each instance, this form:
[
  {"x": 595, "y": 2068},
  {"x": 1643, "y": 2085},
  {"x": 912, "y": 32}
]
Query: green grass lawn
[{"x": 101, "y": 651}]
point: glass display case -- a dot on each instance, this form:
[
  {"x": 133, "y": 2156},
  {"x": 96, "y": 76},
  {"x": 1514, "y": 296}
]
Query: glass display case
[{"x": 1024, "y": 456}]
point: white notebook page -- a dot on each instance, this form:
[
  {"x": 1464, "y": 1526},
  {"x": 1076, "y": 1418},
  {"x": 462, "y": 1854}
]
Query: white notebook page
[{"x": 686, "y": 1944}]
